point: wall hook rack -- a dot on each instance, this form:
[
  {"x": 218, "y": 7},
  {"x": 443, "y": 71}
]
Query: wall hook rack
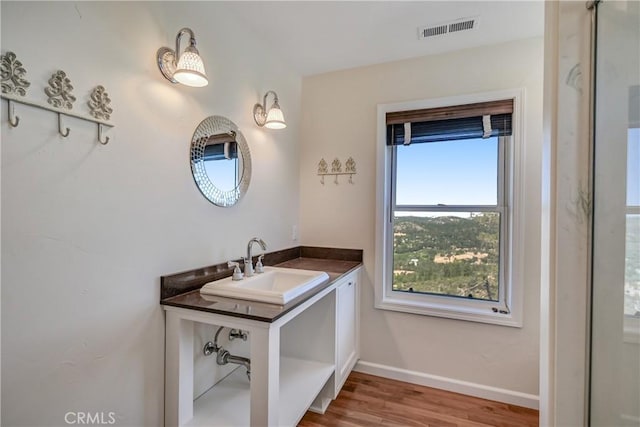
[
  {"x": 59, "y": 97},
  {"x": 336, "y": 169}
]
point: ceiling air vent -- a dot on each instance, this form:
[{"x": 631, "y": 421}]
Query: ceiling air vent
[
  {"x": 434, "y": 31},
  {"x": 455, "y": 26}
]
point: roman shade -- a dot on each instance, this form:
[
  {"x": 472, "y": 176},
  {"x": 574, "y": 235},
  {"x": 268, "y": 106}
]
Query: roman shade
[
  {"x": 471, "y": 121},
  {"x": 221, "y": 146}
]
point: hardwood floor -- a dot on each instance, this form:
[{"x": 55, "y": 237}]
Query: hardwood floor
[{"x": 367, "y": 400}]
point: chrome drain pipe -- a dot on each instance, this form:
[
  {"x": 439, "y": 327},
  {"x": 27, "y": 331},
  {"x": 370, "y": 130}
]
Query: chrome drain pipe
[{"x": 224, "y": 357}]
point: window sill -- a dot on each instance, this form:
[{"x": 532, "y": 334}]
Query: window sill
[{"x": 449, "y": 311}]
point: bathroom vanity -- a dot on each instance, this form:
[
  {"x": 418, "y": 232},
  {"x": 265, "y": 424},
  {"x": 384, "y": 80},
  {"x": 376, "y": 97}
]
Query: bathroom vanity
[{"x": 301, "y": 352}]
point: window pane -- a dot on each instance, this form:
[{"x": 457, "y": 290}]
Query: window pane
[
  {"x": 633, "y": 167},
  {"x": 454, "y": 254},
  {"x": 223, "y": 173},
  {"x": 632, "y": 266},
  {"x": 632, "y": 235},
  {"x": 462, "y": 172}
]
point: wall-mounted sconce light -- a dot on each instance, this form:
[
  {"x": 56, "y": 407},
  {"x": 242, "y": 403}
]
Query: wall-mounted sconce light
[
  {"x": 187, "y": 68},
  {"x": 272, "y": 118}
]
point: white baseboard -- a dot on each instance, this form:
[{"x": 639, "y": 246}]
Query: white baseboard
[{"x": 450, "y": 384}]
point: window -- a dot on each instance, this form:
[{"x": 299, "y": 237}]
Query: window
[
  {"x": 221, "y": 161},
  {"x": 446, "y": 224},
  {"x": 632, "y": 239}
]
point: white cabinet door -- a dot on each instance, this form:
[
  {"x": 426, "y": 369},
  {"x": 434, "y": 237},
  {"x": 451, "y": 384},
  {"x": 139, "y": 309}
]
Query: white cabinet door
[{"x": 346, "y": 328}]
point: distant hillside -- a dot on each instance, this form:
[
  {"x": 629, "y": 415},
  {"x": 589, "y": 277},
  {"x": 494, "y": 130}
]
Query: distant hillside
[
  {"x": 447, "y": 255},
  {"x": 632, "y": 266}
]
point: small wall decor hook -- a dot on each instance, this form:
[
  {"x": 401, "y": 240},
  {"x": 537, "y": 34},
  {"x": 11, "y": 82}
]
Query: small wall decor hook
[
  {"x": 13, "y": 119},
  {"x": 67, "y": 130},
  {"x": 100, "y": 140}
]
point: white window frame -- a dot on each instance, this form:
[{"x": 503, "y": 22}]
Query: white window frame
[{"x": 509, "y": 308}]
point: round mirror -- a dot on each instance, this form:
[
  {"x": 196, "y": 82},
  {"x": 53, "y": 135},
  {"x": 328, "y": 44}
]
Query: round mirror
[{"x": 220, "y": 161}]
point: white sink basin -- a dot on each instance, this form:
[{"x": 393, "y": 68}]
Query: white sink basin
[{"x": 276, "y": 285}]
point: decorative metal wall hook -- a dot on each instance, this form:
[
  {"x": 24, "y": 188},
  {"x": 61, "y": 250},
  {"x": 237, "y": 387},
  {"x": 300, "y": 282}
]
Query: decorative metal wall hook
[
  {"x": 59, "y": 97},
  {"x": 336, "y": 169},
  {"x": 323, "y": 169},
  {"x": 13, "y": 82},
  {"x": 100, "y": 140},
  {"x": 99, "y": 104},
  {"x": 59, "y": 91},
  {"x": 13, "y": 119},
  {"x": 350, "y": 168},
  {"x": 67, "y": 130},
  {"x": 12, "y": 75}
]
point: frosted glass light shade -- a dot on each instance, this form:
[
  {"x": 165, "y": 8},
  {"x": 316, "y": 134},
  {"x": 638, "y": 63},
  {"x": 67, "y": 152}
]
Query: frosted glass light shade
[
  {"x": 271, "y": 118},
  {"x": 190, "y": 69},
  {"x": 275, "y": 118}
]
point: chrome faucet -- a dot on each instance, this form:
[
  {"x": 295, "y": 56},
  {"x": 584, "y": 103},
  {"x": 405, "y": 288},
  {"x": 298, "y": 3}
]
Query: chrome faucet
[{"x": 248, "y": 262}]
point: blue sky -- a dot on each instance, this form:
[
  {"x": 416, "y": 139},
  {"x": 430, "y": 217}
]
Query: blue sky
[
  {"x": 222, "y": 173},
  {"x": 448, "y": 172},
  {"x": 465, "y": 172},
  {"x": 633, "y": 167}
]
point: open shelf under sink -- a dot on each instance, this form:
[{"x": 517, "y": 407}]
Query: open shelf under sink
[{"x": 228, "y": 402}]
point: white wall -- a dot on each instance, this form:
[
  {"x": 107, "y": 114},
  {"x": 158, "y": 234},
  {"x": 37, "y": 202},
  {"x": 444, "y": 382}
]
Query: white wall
[
  {"x": 339, "y": 120},
  {"x": 87, "y": 230}
]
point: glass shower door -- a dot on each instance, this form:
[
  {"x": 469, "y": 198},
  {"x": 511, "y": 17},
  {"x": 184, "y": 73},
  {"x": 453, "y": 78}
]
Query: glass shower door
[{"x": 615, "y": 301}]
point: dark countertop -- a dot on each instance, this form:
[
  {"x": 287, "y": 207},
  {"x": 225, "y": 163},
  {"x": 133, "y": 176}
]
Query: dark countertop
[{"x": 254, "y": 310}]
